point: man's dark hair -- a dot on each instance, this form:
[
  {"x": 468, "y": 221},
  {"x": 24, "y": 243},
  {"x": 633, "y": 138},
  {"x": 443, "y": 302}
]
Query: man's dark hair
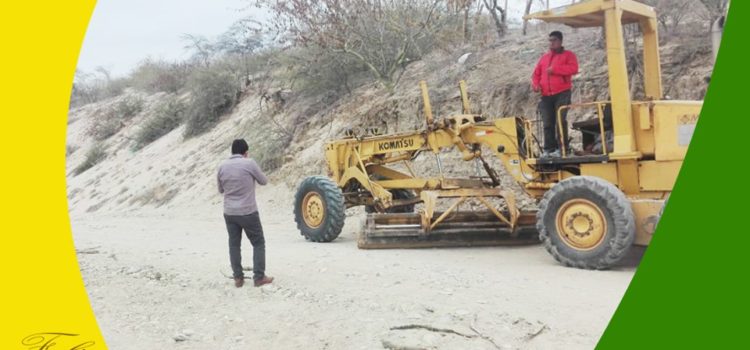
[
  {"x": 556, "y": 34},
  {"x": 239, "y": 146}
]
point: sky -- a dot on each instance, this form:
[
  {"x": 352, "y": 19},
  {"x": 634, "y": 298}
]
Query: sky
[{"x": 121, "y": 33}]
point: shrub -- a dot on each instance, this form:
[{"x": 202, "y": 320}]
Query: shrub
[
  {"x": 212, "y": 93},
  {"x": 159, "y": 76},
  {"x": 70, "y": 149},
  {"x": 115, "y": 87},
  {"x": 90, "y": 87},
  {"x": 314, "y": 70},
  {"x": 167, "y": 116},
  {"x": 110, "y": 120},
  {"x": 129, "y": 106},
  {"x": 266, "y": 143},
  {"x": 266, "y": 152},
  {"x": 96, "y": 154},
  {"x": 105, "y": 124}
]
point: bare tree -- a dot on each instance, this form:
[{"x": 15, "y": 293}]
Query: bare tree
[
  {"x": 242, "y": 39},
  {"x": 383, "y": 35},
  {"x": 462, "y": 8},
  {"x": 671, "y": 13},
  {"x": 84, "y": 89},
  {"x": 714, "y": 10},
  {"x": 499, "y": 16},
  {"x": 527, "y": 11},
  {"x": 202, "y": 49},
  {"x": 104, "y": 73}
]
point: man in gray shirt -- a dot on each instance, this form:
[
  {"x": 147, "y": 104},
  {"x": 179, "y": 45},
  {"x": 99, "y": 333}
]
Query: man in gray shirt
[{"x": 237, "y": 178}]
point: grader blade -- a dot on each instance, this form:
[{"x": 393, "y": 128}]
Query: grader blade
[{"x": 465, "y": 229}]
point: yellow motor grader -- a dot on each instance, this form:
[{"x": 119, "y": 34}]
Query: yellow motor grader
[{"x": 591, "y": 208}]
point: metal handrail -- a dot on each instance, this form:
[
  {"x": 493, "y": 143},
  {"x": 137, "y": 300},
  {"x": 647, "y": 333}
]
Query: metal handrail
[{"x": 599, "y": 105}]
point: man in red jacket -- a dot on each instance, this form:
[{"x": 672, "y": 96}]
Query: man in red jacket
[{"x": 553, "y": 78}]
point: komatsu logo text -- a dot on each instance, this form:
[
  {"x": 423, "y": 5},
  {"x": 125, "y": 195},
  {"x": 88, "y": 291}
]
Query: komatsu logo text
[{"x": 395, "y": 144}]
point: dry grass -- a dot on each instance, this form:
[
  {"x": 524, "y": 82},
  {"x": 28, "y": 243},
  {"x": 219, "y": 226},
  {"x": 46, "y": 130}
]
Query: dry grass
[{"x": 95, "y": 154}]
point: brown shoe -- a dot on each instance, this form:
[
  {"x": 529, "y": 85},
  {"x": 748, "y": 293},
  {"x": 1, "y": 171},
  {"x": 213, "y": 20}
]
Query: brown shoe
[
  {"x": 264, "y": 280},
  {"x": 239, "y": 281}
]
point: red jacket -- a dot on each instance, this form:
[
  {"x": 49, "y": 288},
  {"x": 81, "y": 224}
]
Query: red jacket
[{"x": 564, "y": 65}]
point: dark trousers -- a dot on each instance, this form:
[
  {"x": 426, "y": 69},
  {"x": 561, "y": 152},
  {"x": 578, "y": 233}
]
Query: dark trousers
[
  {"x": 254, "y": 231},
  {"x": 548, "y": 108}
]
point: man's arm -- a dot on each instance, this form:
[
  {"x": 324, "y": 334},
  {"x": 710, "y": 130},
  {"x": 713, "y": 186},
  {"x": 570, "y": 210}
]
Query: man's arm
[
  {"x": 536, "y": 77},
  {"x": 570, "y": 67},
  {"x": 258, "y": 173},
  {"x": 218, "y": 181}
]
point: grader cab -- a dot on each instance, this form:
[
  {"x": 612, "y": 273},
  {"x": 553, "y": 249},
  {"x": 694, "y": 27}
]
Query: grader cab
[{"x": 591, "y": 208}]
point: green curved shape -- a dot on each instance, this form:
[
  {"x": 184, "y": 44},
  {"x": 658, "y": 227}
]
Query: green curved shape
[{"x": 690, "y": 290}]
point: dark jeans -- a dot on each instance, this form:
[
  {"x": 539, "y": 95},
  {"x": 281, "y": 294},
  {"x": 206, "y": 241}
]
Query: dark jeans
[
  {"x": 254, "y": 231},
  {"x": 548, "y": 108}
]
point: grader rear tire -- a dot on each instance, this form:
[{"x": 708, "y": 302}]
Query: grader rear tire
[
  {"x": 586, "y": 222},
  {"x": 319, "y": 209},
  {"x": 661, "y": 213}
]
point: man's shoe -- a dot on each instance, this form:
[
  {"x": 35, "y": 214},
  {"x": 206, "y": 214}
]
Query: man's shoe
[
  {"x": 239, "y": 281},
  {"x": 264, "y": 280},
  {"x": 554, "y": 154}
]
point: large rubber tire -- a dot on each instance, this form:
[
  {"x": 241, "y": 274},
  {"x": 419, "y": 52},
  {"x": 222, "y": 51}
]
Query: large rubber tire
[
  {"x": 618, "y": 234},
  {"x": 397, "y": 194},
  {"x": 332, "y": 201},
  {"x": 661, "y": 212}
]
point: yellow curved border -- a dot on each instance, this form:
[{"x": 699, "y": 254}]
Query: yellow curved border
[{"x": 42, "y": 288}]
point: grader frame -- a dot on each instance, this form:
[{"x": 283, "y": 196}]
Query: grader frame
[{"x": 359, "y": 165}]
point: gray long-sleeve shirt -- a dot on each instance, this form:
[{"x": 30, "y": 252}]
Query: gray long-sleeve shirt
[{"x": 236, "y": 178}]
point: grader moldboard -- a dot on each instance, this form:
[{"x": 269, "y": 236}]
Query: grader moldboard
[{"x": 592, "y": 208}]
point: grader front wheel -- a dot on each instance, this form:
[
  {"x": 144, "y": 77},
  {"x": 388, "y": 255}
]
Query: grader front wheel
[
  {"x": 313, "y": 210},
  {"x": 581, "y": 224},
  {"x": 586, "y": 222},
  {"x": 319, "y": 209}
]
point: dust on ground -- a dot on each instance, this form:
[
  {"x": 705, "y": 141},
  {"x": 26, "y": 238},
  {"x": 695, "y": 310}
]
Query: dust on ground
[{"x": 161, "y": 279}]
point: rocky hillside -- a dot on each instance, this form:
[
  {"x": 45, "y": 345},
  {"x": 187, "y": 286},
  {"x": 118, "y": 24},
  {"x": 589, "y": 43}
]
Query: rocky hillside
[{"x": 175, "y": 172}]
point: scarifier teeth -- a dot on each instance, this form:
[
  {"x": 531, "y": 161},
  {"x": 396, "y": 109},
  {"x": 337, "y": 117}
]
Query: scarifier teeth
[{"x": 404, "y": 230}]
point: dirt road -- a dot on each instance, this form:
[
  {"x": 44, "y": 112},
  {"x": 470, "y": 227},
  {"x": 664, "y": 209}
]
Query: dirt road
[{"x": 159, "y": 280}]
